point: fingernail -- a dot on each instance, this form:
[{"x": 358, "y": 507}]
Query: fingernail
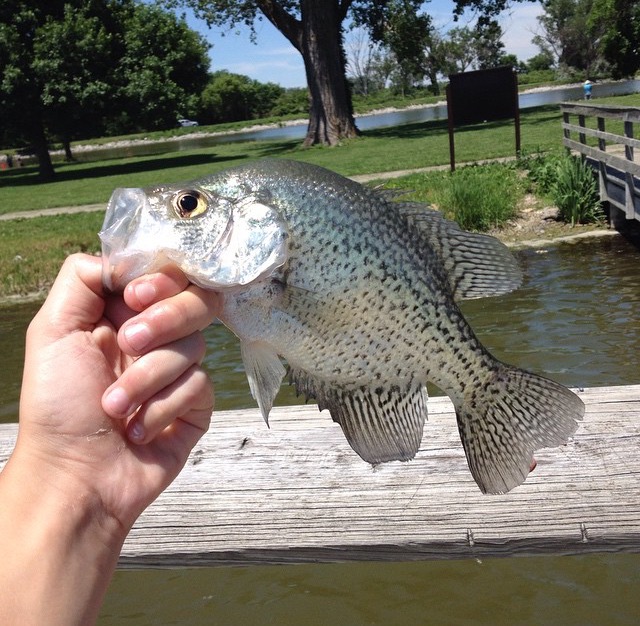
[
  {"x": 145, "y": 292},
  {"x": 138, "y": 336},
  {"x": 117, "y": 402},
  {"x": 136, "y": 432}
]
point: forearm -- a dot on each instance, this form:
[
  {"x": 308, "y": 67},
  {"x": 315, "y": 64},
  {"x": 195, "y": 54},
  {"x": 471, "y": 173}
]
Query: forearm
[{"x": 58, "y": 554}]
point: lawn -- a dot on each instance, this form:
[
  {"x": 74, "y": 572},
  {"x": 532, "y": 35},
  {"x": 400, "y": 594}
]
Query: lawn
[
  {"x": 398, "y": 148},
  {"x": 32, "y": 250}
]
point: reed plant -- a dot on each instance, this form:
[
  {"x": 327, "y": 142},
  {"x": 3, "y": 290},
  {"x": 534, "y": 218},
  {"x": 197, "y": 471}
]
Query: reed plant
[
  {"x": 575, "y": 192},
  {"x": 478, "y": 198},
  {"x": 568, "y": 182}
]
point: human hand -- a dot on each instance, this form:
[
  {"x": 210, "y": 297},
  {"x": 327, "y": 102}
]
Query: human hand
[
  {"x": 113, "y": 397},
  {"x": 113, "y": 400}
]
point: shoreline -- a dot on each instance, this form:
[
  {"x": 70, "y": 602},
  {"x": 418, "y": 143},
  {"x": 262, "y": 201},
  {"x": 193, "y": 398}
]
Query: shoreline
[
  {"x": 284, "y": 124},
  {"x": 540, "y": 242}
]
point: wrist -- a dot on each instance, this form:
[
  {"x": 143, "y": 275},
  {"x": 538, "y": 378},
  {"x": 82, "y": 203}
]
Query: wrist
[{"x": 59, "y": 547}]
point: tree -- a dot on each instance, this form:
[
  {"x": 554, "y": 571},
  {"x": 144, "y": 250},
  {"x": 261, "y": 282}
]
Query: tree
[
  {"x": 405, "y": 32},
  {"x": 618, "y": 21},
  {"x": 540, "y": 62},
  {"x": 71, "y": 68},
  {"x": 162, "y": 69},
  {"x": 488, "y": 45},
  {"x": 362, "y": 60},
  {"x": 459, "y": 50},
  {"x": 565, "y": 32},
  {"x": 71, "y": 58},
  {"x": 26, "y": 31},
  {"x": 315, "y": 30},
  {"x": 232, "y": 97}
]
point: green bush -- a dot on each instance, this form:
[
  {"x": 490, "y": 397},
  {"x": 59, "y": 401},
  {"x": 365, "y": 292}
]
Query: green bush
[
  {"x": 568, "y": 182},
  {"x": 480, "y": 197},
  {"x": 542, "y": 170},
  {"x": 575, "y": 192}
]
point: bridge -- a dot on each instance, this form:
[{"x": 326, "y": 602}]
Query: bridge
[{"x": 604, "y": 136}]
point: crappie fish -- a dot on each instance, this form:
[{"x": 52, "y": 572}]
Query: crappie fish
[{"x": 358, "y": 293}]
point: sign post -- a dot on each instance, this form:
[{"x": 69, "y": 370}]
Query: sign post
[{"x": 482, "y": 96}]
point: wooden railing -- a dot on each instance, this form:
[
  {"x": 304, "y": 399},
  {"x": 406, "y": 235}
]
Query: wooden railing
[
  {"x": 297, "y": 493},
  {"x": 611, "y": 151}
]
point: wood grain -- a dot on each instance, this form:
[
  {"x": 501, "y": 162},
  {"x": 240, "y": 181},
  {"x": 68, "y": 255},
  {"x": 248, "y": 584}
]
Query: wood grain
[{"x": 297, "y": 493}]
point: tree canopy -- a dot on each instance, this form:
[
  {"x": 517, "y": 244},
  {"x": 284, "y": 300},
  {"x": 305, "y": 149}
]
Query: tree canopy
[
  {"x": 316, "y": 30},
  {"x": 72, "y": 68}
]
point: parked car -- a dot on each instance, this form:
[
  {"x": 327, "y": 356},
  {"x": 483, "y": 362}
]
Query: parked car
[{"x": 185, "y": 122}]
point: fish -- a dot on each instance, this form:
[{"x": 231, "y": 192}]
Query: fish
[{"x": 358, "y": 292}]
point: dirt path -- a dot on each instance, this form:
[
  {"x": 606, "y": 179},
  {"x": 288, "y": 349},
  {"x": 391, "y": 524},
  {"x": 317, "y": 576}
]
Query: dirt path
[
  {"x": 535, "y": 226},
  {"x": 20, "y": 215}
]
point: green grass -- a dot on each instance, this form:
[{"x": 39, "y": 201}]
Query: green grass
[
  {"x": 477, "y": 198},
  {"x": 32, "y": 250},
  {"x": 404, "y": 147},
  {"x": 408, "y": 146}
]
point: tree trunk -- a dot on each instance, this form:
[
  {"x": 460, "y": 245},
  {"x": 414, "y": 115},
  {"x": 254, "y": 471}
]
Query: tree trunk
[
  {"x": 317, "y": 35},
  {"x": 41, "y": 150},
  {"x": 330, "y": 111},
  {"x": 68, "y": 155}
]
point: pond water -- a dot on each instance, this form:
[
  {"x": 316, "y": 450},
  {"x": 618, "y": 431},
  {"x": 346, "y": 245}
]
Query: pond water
[
  {"x": 577, "y": 320},
  {"x": 364, "y": 122}
]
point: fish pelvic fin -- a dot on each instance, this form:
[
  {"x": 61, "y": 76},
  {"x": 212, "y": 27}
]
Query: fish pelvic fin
[
  {"x": 381, "y": 424},
  {"x": 264, "y": 373},
  {"x": 505, "y": 420}
]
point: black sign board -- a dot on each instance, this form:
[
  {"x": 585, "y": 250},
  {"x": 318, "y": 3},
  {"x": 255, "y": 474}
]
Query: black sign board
[{"x": 482, "y": 96}]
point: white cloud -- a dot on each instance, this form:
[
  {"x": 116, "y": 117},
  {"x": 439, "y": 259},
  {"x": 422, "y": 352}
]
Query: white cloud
[{"x": 519, "y": 25}]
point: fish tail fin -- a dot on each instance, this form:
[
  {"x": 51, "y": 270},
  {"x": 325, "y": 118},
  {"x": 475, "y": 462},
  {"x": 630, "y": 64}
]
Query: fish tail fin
[{"x": 504, "y": 421}]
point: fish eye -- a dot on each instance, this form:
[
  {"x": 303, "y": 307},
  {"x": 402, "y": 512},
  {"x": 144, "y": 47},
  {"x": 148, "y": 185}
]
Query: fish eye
[{"x": 189, "y": 203}]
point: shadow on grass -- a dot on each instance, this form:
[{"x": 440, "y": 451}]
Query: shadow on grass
[{"x": 81, "y": 170}]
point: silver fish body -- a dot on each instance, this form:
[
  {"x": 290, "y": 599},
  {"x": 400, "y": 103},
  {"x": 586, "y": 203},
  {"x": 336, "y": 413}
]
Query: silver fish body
[{"x": 359, "y": 295}]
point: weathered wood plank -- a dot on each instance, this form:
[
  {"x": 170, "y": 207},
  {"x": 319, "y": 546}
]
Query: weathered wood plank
[
  {"x": 602, "y": 135},
  {"x": 625, "y": 113},
  {"x": 613, "y": 160},
  {"x": 297, "y": 493}
]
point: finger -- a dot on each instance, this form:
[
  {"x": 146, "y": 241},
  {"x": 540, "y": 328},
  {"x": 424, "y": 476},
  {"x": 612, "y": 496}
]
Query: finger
[
  {"x": 168, "y": 320},
  {"x": 151, "y": 288},
  {"x": 76, "y": 300},
  {"x": 150, "y": 374},
  {"x": 188, "y": 399},
  {"x": 117, "y": 311}
]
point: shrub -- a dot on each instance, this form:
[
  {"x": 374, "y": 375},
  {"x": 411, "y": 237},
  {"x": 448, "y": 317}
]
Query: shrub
[
  {"x": 568, "y": 182},
  {"x": 575, "y": 192},
  {"x": 480, "y": 197}
]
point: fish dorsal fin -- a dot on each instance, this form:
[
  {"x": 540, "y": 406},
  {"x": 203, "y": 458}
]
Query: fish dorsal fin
[
  {"x": 380, "y": 424},
  {"x": 264, "y": 373},
  {"x": 477, "y": 265}
]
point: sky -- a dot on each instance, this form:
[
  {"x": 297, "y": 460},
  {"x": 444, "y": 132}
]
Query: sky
[{"x": 274, "y": 59}]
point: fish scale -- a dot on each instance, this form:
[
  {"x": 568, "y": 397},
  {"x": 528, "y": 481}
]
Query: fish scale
[{"x": 359, "y": 294}]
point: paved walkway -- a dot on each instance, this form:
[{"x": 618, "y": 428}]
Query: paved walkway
[
  {"x": 360, "y": 178},
  {"x": 57, "y": 211}
]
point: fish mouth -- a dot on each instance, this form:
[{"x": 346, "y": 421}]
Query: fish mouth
[{"x": 125, "y": 255}]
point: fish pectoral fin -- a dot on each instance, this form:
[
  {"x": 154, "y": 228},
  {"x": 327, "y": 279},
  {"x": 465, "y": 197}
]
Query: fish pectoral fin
[
  {"x": 264, "y": 373},
  {"x": 380, "y": 424}
]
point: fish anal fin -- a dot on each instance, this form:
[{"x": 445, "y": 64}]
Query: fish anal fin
[
  {"x": 264, "y": 372},
  {"x": 380, "y": 423}
]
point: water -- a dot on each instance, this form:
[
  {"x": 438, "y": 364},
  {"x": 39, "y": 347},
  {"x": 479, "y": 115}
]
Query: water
[
  {"x": 365, "y": 122},
  {"x": 576, "y": 319}
]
